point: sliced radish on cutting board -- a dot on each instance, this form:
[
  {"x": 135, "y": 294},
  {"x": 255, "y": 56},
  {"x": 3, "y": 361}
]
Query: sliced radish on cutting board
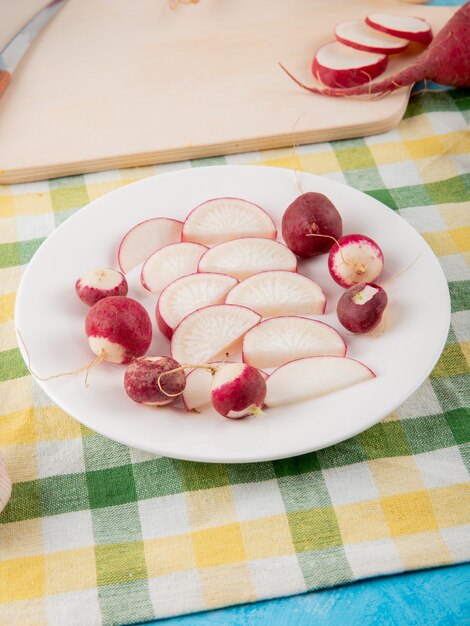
[
  {"x": 279, "y": 292},
  {"x": 277, "y": 340},
  {"x": 311, "y": 377},
  {"x": 169, "y": 263},
  {"x": 337, "y": 65},
  {"x": 247, "y": 256},
  {"x": 210, "y": 331},
  {"x": 223, "y": 219},
  {"x": 144, "y": 238},
  {"x": 358, "y": 35},
  {"x": 188, "y": 293},
  {"x": 406, "y": 26}
]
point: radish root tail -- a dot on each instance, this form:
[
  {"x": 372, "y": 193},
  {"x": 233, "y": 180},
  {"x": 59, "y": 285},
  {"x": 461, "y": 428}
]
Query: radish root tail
[{"x": 183, "y": 367}]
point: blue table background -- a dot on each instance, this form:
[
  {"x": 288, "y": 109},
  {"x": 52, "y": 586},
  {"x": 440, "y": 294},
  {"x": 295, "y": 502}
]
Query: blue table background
[{"x": 424, "y": 598}]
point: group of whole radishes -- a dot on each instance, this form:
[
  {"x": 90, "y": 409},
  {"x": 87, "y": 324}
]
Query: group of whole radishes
[{"x": 223, "y": 281}]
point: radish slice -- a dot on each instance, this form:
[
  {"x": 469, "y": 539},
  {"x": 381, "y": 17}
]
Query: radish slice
[
  {"x": 278, "y": 340},
  {"x": 355, "y": 259},
  {"x": 247, "y": 256},
  {"x": 279, "y": 293},
  {"x": 312, "y": 377},
  {"x": 186, "y": 294},
  {"x": 144, "y": 238},
  {"x": 337, "y": 65},
  {"x": 411, "y": 28},
  {"x": 223, "y": 219},
  {"x": 358, "y": 35},
  {"x": 210, "y": 331},
  {"x": 169, "y": 263}
]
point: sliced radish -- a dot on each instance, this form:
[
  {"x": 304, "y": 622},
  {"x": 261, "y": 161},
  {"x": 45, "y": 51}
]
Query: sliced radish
[
  {"x": 169, "y": 263},
  {"x": 278, "y": 292},
  {"x": 355, "y": 259},
  {"x": 210, "y": 331},
  {"x": 337, "y": 65},
  {"x": 144, "y": 238},
  {"x": 311, "y": 377},
  {"x": 223, "y": 219},
  {"x": 188, "y": 293},
  {"x": 247, "y": 256},
  {"x": 197, "y": 393},
  {"x": 277, "y": 340},
  {"x": 358, "y": 35},
  {"x": 411, "y": 28}
]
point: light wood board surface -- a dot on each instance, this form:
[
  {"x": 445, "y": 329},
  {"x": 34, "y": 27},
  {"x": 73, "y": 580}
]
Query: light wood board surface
[{"x": 118, "y": 83}]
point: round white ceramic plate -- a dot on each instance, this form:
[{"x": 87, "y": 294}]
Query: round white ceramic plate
[{"x": 51, "y": 320}]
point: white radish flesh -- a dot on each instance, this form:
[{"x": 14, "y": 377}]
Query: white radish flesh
[
  {"x": 406, "y": 26},
  {"x": 247, "y": 256},
  {"x": 100, "y": 284},
  {"x": 169, "y": 263},
  {"x": 277, "y": 340},
  {"x": 355, "y": 259},
  {"x": 358, "y": 34},
  {"x": 311, "y": 377},
  {"x": 337, "y": 65},
  {"x": 223, "y": 219},
  {"x": 279, "y": 292}
]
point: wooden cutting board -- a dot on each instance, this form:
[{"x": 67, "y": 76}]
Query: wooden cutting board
[{"x": 114, "y": 83}]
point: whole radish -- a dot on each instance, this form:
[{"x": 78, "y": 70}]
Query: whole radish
[
  {"x": 118, "y": 329},
  {"x": 445, "y": 61},
  {"x": 311, "y": 213},
  {"x": 99, "y": 284},
  {"x": 238, "y": 390},
  {"x": 355, "y": 259},
  {"x": 154, "y": 380},
  {"x": 361, "y": 307}
]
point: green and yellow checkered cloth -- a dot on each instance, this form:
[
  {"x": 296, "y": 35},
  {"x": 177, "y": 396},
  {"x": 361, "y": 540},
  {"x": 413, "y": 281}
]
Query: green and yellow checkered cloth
[{"x": 97, "y": 533}]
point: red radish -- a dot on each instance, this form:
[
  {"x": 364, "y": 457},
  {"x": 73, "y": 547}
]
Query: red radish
[
  {"x": 337, "y": 65},
  {"x": 359, "y": 35},
  {"x": 314, "y": 376},
  {"x": 411, "y": 28},
  {"x": 238, "y": 390},
  {"x": 210, "y": 331},
  {"x": 144, "y": 383},
  {"x": 355, "y": 259},
  {"x": 278, "y": 292},
  {"x": 118, "y": 329},
  {"x": 361, "y": 307},
  {"x": 223, "y": 219},
  {"x": 277, "y": 340},
  {"x": 247, "y": 256},
  {"x": 188, "y": 293},
  {"x": 445, "y": 61},
  {"x": 100, "y": 284},
  {"x": 169, "y": 263},
  {"x": 144, "y": 238}
]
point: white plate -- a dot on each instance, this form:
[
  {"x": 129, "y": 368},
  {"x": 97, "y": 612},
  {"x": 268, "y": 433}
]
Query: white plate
[{"x": 51, "y": 320}]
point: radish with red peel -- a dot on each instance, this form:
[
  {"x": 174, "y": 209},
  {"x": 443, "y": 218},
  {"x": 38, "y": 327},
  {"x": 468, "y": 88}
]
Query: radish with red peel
[
  {"x": 204, "y": 334},
  {"x": 144, "y": 383},
  {"x": 304, "y": 379},
  {"x": 238, "y": 390},
  {"x": 311, "y": 213},
  {"x": 410, "y": 28},
  {"x": 100, "y": 284},
  {"x": 146, "y": 237},
  {"x": 359, "y": 35},
  {"x": 188, "y": 293},
  {"x": 445, "y": 61},
  {"x": 278, "y": 292},
  {"x": 169, "y": 263},
  {"x": 355, "y": 259},
  {"x": 361, "y": 307},
  {"x": 337, "y": 65},
  {"x": 277, "y": 340},
  {"x": 224, "y": 219},
  {"x": 118, "y": 329},
  {"x": 247, "y": 256}
]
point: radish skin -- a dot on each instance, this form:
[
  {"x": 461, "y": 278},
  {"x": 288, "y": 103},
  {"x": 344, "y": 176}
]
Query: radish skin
[{"x": 446, "y": 61}]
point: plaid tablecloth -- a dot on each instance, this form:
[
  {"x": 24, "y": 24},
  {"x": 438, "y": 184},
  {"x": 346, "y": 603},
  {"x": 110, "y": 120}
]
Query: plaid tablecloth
[{"x": 97, "y": 533}]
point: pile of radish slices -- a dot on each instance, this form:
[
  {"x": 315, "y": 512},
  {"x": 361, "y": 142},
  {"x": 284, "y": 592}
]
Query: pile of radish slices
[
  {"x": 361, "y": 50},
  {"x": 241, "y": 320}
]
